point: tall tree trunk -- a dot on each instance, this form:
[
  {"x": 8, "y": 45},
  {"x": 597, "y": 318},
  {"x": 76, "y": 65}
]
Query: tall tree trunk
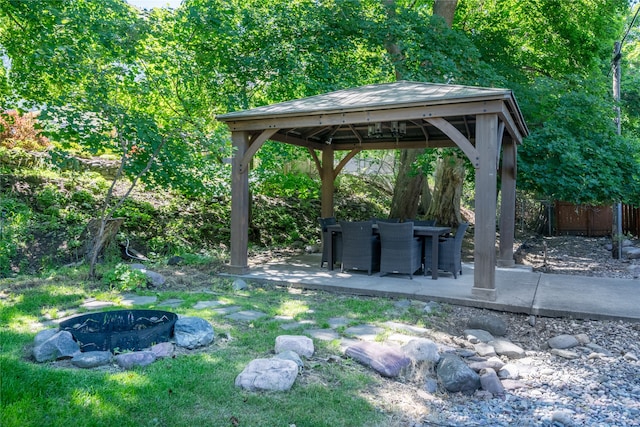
[
  {"x": 406, "y": 193},
  {"x": 447, "y": 192},
  {"x": 407, "y": 188},
  {"x": 446, "y": 9},
  {"x": 449, "y": 174}
]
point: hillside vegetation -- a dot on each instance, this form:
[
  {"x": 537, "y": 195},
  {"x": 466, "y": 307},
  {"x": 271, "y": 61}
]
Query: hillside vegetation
[{"x": 45, "y": 212}]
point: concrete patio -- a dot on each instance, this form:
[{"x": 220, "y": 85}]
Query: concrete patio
[{"x": 519, "y": 290}]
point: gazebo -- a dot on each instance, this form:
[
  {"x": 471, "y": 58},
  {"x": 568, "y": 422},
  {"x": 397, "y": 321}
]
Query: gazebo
[{"x": 485, "y": 123}]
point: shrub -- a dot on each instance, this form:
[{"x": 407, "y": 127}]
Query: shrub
[
  {"x": 125, "y": 279},
  {"x": 20, "y": 131}
]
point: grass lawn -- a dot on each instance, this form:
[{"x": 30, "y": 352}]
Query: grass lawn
[{"x": 194, "y": 388}]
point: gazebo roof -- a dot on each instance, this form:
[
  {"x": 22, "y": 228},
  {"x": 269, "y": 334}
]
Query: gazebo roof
[{"x": 378, "y": 115}]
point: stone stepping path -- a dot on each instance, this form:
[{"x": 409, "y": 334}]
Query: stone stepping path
[
  {"x": 171, "y": 302},
  {"x": 349, "y": 336},
  {"x": 200, "y": 305},
  {"x": 246, "y": 315}
]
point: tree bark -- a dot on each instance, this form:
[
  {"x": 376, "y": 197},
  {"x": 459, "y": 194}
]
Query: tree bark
[
  {"x": 446, "y": 9},
  {"x": 449, "y": 174},
  {"x": 99, "y": 233},
  {"x": 406, "y": 193},
  {"x": 447, "y": 192},
  {"x": 407, "y": 188}
]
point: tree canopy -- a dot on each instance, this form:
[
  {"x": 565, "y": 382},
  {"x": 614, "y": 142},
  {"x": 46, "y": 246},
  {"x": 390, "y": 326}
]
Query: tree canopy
[{"x": 110, "y": 78}]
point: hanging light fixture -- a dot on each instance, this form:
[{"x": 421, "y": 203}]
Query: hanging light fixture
[{"x": 375, "y": 129}]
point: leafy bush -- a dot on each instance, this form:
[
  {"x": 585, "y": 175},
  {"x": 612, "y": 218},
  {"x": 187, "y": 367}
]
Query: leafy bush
[
  {"x": 14, "y": 221},
  {"x": 49, "y": 200},
  {"x": 124, "y": 278},
  {"x": 301, "y": 186},
  {"x": 20, "y": 131}
]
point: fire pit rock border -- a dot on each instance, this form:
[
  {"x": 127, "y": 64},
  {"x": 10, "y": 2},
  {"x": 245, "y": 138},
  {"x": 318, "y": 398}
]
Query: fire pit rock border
[{"x": 55, "y": 344}]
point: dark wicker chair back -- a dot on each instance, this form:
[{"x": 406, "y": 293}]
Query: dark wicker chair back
[
  {"x": 360, "y": 247},
  {"x": 337, "y": 241},
  {"x": 450, "y": 251},
  {"x": 400, "y": 251}
]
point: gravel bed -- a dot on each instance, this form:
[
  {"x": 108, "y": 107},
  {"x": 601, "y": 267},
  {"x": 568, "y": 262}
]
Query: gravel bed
[{"x": 599, "y": 387}]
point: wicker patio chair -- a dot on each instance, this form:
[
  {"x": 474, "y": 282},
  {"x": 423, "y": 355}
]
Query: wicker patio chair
[
  {"x": 400, "y": 251},
  {"x": 449, "y": 252},
  {"x": 337, "y": 241},
  {"x": 360, "y": 247}
]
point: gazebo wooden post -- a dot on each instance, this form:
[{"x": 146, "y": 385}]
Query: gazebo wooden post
[
  {"x": 507, "y": 205},
  {"x": 484, "y": 279},
  {"x": 328, "y": 179},
  {"x": 239, "y": 205}
]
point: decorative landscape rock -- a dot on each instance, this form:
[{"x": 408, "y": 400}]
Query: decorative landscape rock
[
  {"x": 422, "y": 350},
  {"x": 492, "y": 324},
  {"x": 58, "y": 346},
  {"x": 484, "y": 349},
  {"x": 507, "y": 348},
  {"x": 291, "y": 355},
  {"x": 239, "y": 285},
  {"x": 456, "y": 376},
  {"x": 563, "y": 341},
  {"x": 163, "y": 349},
  {"x": 490, "y": 382},
  {"x": 193, "y": 332},
  {"x": 475, "y": 336},
  {"x": 387, "y": 361},
  {"x": 509, "y": 371},
  {"x": 44, "y": 335},
  {"x": 135, "y": 359},
  {"x": 299, "y": 343},
  {"x": 491, "y": 363},
  {"x": 273, "y": 374},
  {"x": 564, "y": 353},
  {"x": 153, "y": 278},
  {"x": 92, "y": 359}
]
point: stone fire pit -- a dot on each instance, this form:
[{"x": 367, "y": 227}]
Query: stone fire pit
[
  {"x": 129, "y": 337},
  {"x": 120, "y": 330}
]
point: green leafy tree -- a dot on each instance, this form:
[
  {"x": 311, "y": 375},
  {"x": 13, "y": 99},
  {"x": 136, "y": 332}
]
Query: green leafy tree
[{"x": 111, "y": 79}]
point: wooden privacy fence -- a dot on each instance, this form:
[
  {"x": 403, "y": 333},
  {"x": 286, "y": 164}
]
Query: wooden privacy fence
[
  {"x": 586, "y": 220},
  {"x": 630, "y": 220}
]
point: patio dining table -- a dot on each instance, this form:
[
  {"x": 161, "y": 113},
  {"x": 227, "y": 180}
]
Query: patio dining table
[{"x": 422, "y": 231}]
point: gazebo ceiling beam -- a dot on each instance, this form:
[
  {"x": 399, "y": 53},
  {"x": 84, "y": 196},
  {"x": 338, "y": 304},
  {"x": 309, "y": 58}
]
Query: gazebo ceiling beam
[
  {"x": 316, "y": 131},
  {"x": 461, "y": 141},
  {"x": 356, "y": 134},
  {"x": 288, "y": 138},
  {"x": 393, "y": 145},
  {"x": 423, "y": 128}
]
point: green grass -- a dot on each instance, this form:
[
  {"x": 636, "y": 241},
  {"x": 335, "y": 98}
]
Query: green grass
[{"x": 195, "y": 389}]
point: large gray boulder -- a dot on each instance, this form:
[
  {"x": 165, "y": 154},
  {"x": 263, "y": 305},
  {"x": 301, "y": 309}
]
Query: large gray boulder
[
  {"x": 456, "y": 376},
  {"x": 60, "y": 345},
  {"x": 490, "y": 323},
  {"x": 299, "y": 343},
  {"x": 135, "y": 359},
  {"x": 387, "y": 361},
  {"x": 422, "y": 350},
  {"x": 268, "y": 374},
  {"x": 92, "y": 359},
  {"x": 153, "y": 278},
  {"x": 193, "y": 332}
]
